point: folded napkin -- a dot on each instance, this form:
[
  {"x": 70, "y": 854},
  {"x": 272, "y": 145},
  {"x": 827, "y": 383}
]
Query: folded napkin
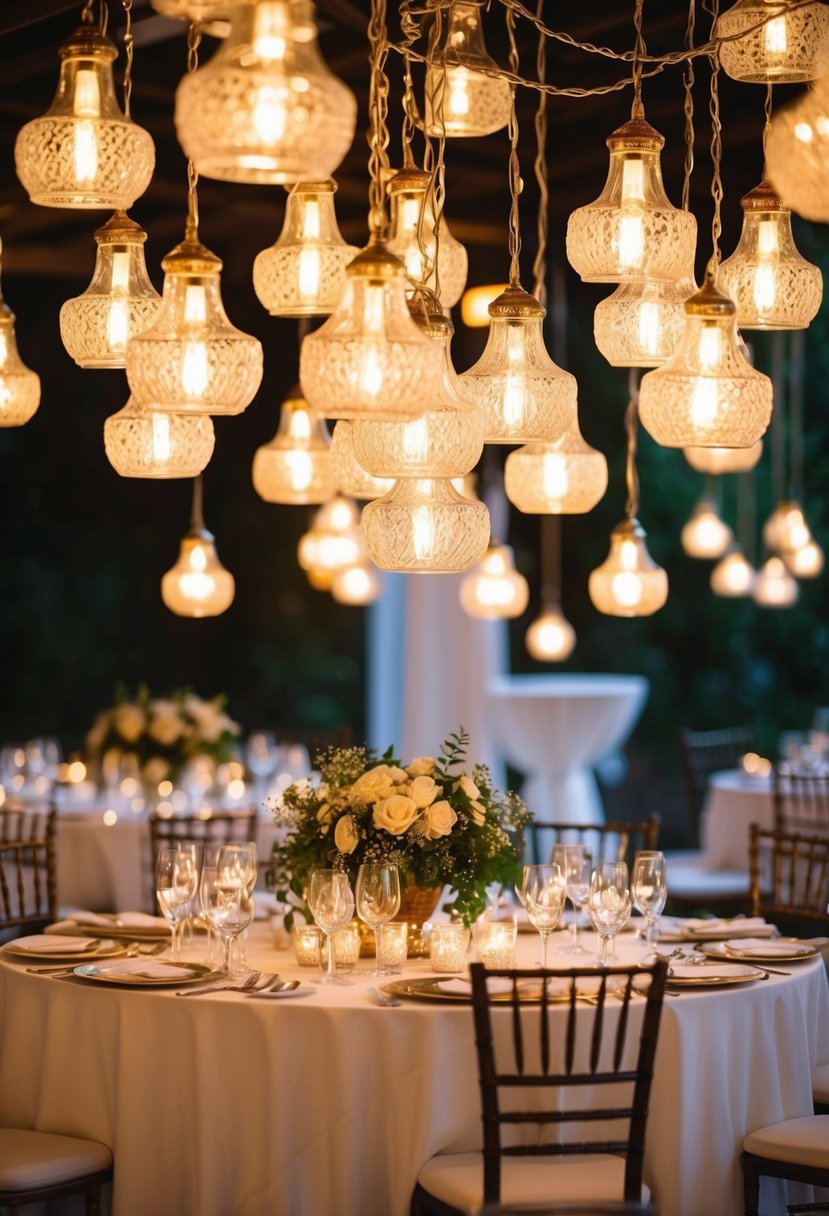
[
  {"x": 704, "y": 971},
  {"x": 145, "y": 969},
  {"x": 129, "y": 920},
  {"x": 43, "y": 943},
  {"x": 461, "y": 987},
  {"x": 739, "y": 926},
  {"x": 759, "y": 947}
]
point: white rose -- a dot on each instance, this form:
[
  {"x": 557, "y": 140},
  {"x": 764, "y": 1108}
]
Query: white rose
[
  {"x": 423, "y": 766},
  {"x": 392, "y": 772},
  {"x": 371, "y": 787},
  {"x": 129, "y": 720},
  {"x": 345, "y": 834},
  {"x": 439, "y": 819},
  {"x": 468, "y": 786},
  {"x": 478, "y": 813},
  {"x": 395, "y": 814},
  {"x": 423, "y": 791},
  {"x": 166, "y": 725}
]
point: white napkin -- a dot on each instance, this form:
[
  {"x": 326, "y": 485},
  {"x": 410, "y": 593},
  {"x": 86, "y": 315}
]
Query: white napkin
[
  {"x": 43, "y": 943},
  {"x": 134, "y": 920},
  {"x": 146, "y": 969},
  {"x": 759, "y": 947},
  {"x": 702, "y": 971},
  {"x": 742, "y": 926},
  {"x": 464, "y": 987}
]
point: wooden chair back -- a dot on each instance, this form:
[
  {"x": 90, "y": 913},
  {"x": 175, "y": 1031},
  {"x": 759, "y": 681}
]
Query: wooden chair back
[
  {"x": 801, "y": 800},
  {"x": 536, "y": 1077},
  {"x": 220, "y": 827},
  {"x": 702, "y": 753},
  {"x": 789, "y": 875},
  {"x": 606, "y": 841},
  {"x": 28, "y": 866}
]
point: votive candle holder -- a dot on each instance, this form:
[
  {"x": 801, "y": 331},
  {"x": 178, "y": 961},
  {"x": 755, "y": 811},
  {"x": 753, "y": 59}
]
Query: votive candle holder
[
  {"x": 307, "y": 945},
  {"x": 392, "y": 946},
  {"x": 346, "y": 948},
  {"x": 496, "y": 944},
  {"x": 448, "y": 945}
]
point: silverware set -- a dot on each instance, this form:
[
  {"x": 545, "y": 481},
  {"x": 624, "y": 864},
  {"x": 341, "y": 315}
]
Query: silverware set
[
  {"x": 380, "y": 998},
  {"x": 257, "y": 981}
]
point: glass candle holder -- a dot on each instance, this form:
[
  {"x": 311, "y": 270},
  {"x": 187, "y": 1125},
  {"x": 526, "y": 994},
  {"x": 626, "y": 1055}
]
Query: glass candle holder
[
  {"x": 392, "y": 943},
  {"x": 496, "y": 944},
  {"x": 447, "y": 947},
  {"x": 307, "y": 942},
  {"x": 346, "y": 947}
]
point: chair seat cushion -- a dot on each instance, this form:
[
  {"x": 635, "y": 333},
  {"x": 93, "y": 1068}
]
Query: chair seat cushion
[
  {"x": 458, "y": 1179},
  {"x": 820, "y": 1083},
  {"x": 689, "y": 875},
  {"x": 802, "y": 1141},
  {"x": 29, "y": 1160}
]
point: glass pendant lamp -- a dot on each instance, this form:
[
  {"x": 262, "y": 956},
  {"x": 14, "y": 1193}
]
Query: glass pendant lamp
[
  {"x": 631, "y": 231},
  {"x": 19, "y": 385},
  {"x": 733, "y": 576},
  {"x": 423, "y": 525},
  {"x": 774, "y": 586},
  {"x": 786, "y": 530},
  {"x": 550, "y": 638},
  {"x": 412, "y": 237},
  {"x": 266, "y": 109},
  {"x": 784, "y": 50},
  {"x": 84, "y": 152},
  {"x": 567, "y": 477},
  {"x": 797, "y": 153},
  {"x": 494, "y": 590},
  {"x": 211, "y": 16},
  {"x": 357, "y": 585},
  {"x": 707, "y": 394},
  {"x": 772, "y": 286},
  {"x": 724, "y": 460},
  {"x": 350, "y": 477},
  {"x": 629, "y": 582},
  {"x": 332, "y": 543},
  {"x": 198, "y": 584},
  {"x": 119, "y": 302},
  {"x": 295, "y": 468},
  {"x": 641, "y": 323},
  {"x": 805, "y": 562},
  {"x": 524, "y": 396},
  {"x": 303, "y": 273},
  {"x": 706, "y": 535},
  {"x": 465, "y": 95},
  {"x": 141, "y": 442}
]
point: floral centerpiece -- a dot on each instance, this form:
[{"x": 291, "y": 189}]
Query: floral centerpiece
[
  {"x": 159, "y": 736},
  {"x": 440, "y": 825}
]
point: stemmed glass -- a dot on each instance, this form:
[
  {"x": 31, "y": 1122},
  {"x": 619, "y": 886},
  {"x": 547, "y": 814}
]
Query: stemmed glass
[
  {"x": 649, "y": 889},
  {"x": 377, "y": 898},
  {"x": 229, "y": 908},
  {"x": 262, "y": 756},
  {"x": 208, "y": 879},
  {"x": 331, "y": 901},
  {"x": 176, "y": 877},
  {"x": 608, "y": 903},
  {"x": 576, "y": 863},
  {"x": 543, "y": 891},
  {"x": 239, "y": 861}
]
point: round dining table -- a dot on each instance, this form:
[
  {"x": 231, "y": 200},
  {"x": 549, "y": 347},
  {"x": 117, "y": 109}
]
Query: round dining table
[
  {"x": 226, "y": 1104},
  {"x": 734, "y": 800}
]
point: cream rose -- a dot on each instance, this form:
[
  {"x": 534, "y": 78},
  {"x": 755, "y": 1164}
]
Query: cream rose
[
  {"x": 423, "y": 766},
  {"x": 478, "y": 813},
  {"x": 394, "y": 774},
  {"x": 423, "y": 791},
  {"x": 439, "y": 819},
  {"x": 371, "y": 787},
  {"x": 129, "y": 720},
  {"x": 166, "y": 725},
  {"x": 468, "y": 786},
  {"x": 345, "y": 834},
  {"x": 395, "y": 814}
]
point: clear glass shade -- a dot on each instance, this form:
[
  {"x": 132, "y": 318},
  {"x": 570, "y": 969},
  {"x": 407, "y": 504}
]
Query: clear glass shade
[
  {"x": 724, "y": 460},
  {"x": 783, "y": 50},
  {"x": 19, "y": 385},
  {"x": 733, "y": 576},
  {"x": 140, "y": 442},
  {"x": 412, "y": 237},
  {"x": 425, "y": 526},
  {"x": 707, "y": 394},
  {"x": 567, "y": 477},
  {"x": 295, "y": 468},
  {"x": 266, "y": 109},
  {"x": 774, "y": 586},
  {"x": 706, "y": 535},
  {"x": 357, "y": 585},
  {"x": 119, "y": 303},
  {"x": 303, "y": 273},
  {"x": 369, "y": 359},
  {"x": 350, "y": 477},
  {"x": 465, "y": 95},
  {"x": 772, "y": 286},
  {"x": 631, "y": 231},
  {"x": 629, "y": 583},
  {"x": 523, "y": 395},
  {"x": 198, "y": 584},
  {"x": 494, "y": 590},
  {"x": 786, "y": 530},
  {"x": 193, "y": 360},
  {"x": 333, "y": 541},
  {"x": 641, "y": 323},
  {"x": 797, "y": 153},
  {"x": 83, "y": 152},
  {"x": 550, "y": 638},
  {"x": 805, "y": 562}
]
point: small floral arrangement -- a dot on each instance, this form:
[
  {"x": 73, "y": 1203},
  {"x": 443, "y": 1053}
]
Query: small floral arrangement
[
  {"x": 441, "y": 826},
  {"x": 161, "y": 734}
]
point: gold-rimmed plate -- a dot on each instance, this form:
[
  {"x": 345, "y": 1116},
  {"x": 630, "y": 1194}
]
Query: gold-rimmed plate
[
  {"x": 456, "y": 990},
  {"x": 150, "y": 929},
  {"x": 712, "y": 975},
  {"x": 780, "y": 950},
  {"x": 32, "y": 950},
  {"x": 146, "y": 972}
]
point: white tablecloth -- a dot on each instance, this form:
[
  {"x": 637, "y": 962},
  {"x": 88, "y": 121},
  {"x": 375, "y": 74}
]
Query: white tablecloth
[
  {"x": 327, "y": 1105},
  {"x": 733, "y": 802},
  {"x": 553, "y": 729}
]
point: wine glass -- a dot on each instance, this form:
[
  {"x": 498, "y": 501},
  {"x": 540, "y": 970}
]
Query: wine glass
[
  {"x": 576, "y": 862},
  {"x": 208, "y": 879},
  {"x": 544, "y": 893},
  {"x": 238, "y": 861},
  {"x": 189, "y": 849},
  {"x": 176, "y": 876},
  {"x": 331, "y": 901},
  {"x": 649, "y": 889},
  {"x": 262, "y": 755},
  {"x": 377, "y": 899},
  {"x": 229, "y": 908},
  {"x": 520, "y": 888},
  {"x": 608, "y": 903}
]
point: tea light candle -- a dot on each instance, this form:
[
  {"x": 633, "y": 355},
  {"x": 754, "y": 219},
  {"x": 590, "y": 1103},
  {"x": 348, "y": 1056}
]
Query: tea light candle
[
  {"x": 496, "y": 945},
  {"x": 307, "y": 941},
  {"x": 392, "y": 943},
  {"x": 447, "y": 947},
  {"x": 346, "y": 947}
]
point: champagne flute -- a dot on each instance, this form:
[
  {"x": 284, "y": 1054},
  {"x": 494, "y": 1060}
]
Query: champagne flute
[
  {"x": 175, "y": 885},
  {"x": 229, "y": 908},
  {"x": 544, "y": 893},
  {"x": 608, "y": 903},
  {"x": 576, "y": 861},
  {"x": 331, "y": 901},
  {"x": 649, "y": 889},
  {"x": 239, "y": 861},
  {"x": 208, "y": 878},
  {"x": 377, "y": 899}
]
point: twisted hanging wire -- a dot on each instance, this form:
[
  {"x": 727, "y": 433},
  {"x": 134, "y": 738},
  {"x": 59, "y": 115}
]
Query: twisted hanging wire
[
  {"x": 515, "y": 183},
  {"x": 631, "y": 428},
  {"x": 129, "y": 46},
  {"x": 541, "y": 174},
  {"x": 411, "y": 116},
  {"x": 639, "y": 51},
  {"x": 767, "y": 124},
  {"x": 688, "y": 108},
  {"x": 197, "y": 505},
  {"x": 435, "y": 166},
  {"x": 716, "y": 147},
  {"x": 192, "y": 226},
  {"x": 378, "y": 109}
]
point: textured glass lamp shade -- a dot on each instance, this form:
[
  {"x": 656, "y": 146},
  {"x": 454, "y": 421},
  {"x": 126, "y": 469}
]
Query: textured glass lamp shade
[
  {"x": 523, "y": 395},
  {"x": 119, "y": 302},
  {"x": 707, "y": 394},
  {"x": 774, "y": 586},
  {"x": 295, "y": 468},
  {"x": 198, "y": 584},
  {"x": 772, "y": 286},
  {"x": 333, "y": 541},
  {"x": 303, "y": 273},
  {"x": 425, "y": 526},
  {"x": 783, "y": 50},
  {"x": 265, "y": 109},
  {"x": 461, "y": 98},
  {"x": 567, "y": 477},
  {"x": 706, "y": 535},
  {"x": 631, "y": 231},
  {"x": 786, "y": 530},
  {"x": 357, "y": 585},
  {"x": 19, "y": 385},
  {"x": 641, "y": 323},
  {"x": 724, "y": 460},
  {"x": 797, "y": 153},
  {"x": 629, "y": 582},
  {"x": 733, "y": 576},
  {"x": 83, "y": 152},
  {"x": 204, "y": 12},
  {"x": 494, "y": 590},
  {"x": 140, "y": 442},
  {"x": 193, "y": 361},
  {"x": 350, "y": 477},
  {"x": 806, "y": 562},
  {"x": 369, "y": 359},
  {"x": 412, "y": 237},
  {"x": 550, "y": 638}
]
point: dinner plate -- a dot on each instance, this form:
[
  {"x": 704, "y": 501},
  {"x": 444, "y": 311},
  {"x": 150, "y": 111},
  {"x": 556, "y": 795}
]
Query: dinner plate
[
  {"x": 710, "y": 975},
  {"x": 153, "y": 930},
  {"x": 781, "y": 950},
  {"x": 151, "y": 972},
  {"x": 19, "y": 950},
  {"x": 444, "y": 988}
]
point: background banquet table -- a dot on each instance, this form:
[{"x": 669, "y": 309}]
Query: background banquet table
[
  {"x": 735, "y": 799},
  {"x": 327, "y": 1104}
]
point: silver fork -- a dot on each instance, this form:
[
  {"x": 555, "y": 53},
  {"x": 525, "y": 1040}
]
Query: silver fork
[
  {"x": 253, "y": 983},
  {"x": 380, "y": 998}
]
